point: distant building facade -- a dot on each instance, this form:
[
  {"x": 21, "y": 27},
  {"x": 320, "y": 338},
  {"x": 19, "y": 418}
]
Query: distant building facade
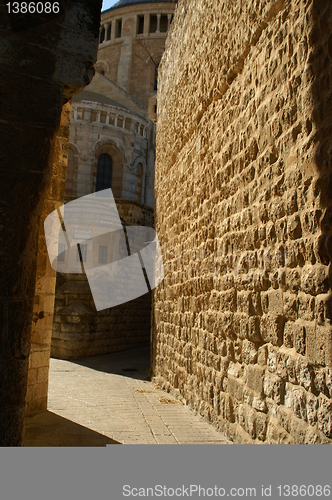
[{"x": 112, "y": 145}]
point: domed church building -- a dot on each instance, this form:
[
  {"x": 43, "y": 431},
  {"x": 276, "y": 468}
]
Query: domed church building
[{"x": 112, "y": 145}]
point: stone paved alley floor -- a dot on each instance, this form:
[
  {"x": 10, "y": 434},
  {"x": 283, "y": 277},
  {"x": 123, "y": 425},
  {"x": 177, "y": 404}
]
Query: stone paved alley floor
[{"x": 106, "y": 399}]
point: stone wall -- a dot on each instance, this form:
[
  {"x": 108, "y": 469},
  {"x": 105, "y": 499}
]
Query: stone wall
[
  {"x": 79, "y": 330},
  {"x": 242, "y": 322},
  {"x": 42, "y": 319},
  {"x": 40, "y": 71}
]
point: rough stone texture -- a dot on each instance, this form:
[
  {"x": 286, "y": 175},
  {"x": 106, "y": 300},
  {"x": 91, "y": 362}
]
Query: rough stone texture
[
  {"x": 42, "y": 319},
  {"x": 79, "y": 330},
  {"x": 42, "y": 65},
  {"x": 242, "y": 322}
]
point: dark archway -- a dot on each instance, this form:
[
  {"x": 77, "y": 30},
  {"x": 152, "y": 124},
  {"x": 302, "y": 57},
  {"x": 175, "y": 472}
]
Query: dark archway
[{"x": 104, "y": 172}]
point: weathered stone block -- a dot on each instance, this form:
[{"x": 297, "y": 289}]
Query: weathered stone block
[
  {"x": 306, "y": 306},
  {"x": 298, "y": 430},
  {"x": 272, "y": 328},
  {"x": 235, "y": 388},
  {"x": 276, "y": 434},
  {"x": 255, "y": 378},
  {"x": 275, "y": 302},
  {"x": 294, "y": 228},
  {"x": 288, "y": 337},
  {"x": 312, "y": 406},
  {"x": 304, "y": 373},
  {"x": 311, "y": 437},
  {"x": 249, "y": 352},
  {"x": 228, "y": 301},
  {"x": 293, "y": 279},
  {"x": 319, "y": 344},
  {"x": 243, "y": 302},
  {"x": 315, "y": 279},
  {"x": 254, "y": 329},
  {"x": 262, "y": 355},
  {"x": 299, "y": 338},
  {"x": 284, "y": 417},
  {"x": 282, "y": 357},
  {"x": 271, "y": 362},
  {"x": 250, "y": 421},
  {"x": 274, "y": 387},
  {"x": 325, "y": 416},
  {"x": 291, "y": 369},
  {"x": 226, "y": 407},
  {"x": 39, "y": 359},
  {"x": 241, "y": 325},
  {"x": 299, "y": 403},
  {"x": 290, "y": 304},
  {"x": 323, "y": 308}
]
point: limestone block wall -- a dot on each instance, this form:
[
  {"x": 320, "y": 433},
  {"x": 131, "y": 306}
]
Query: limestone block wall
[
  {"x": 42, "y": 319},
  {"x": 242, "y": 322},
  {"x": 79, "y": 330}
]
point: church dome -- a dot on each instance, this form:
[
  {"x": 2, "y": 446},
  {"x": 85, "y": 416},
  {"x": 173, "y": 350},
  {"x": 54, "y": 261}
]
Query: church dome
[{"x": 127, "y": 3}]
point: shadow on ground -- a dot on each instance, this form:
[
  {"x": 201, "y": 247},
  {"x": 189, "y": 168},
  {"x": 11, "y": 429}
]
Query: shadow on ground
[
  {"x": 49, "y": 429},
  {"x": 134, "y": 363}
]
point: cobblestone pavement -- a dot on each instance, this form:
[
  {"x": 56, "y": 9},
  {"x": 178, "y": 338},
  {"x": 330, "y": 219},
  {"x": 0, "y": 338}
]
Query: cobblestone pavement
[{"x": 106, "y": 399}]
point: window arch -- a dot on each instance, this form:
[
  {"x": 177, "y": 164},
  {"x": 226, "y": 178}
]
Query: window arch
[{"x": 104, "y": 172}]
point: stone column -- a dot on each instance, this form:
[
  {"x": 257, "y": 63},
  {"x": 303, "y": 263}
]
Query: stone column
[
  {"x": 87, "y": 114},
  {"x": 113, "y": 31},
  {"x": 106, "y": 26},
  {"x": 158, "y": 23},
  {"x": 169, "y": 18},
  {"x": 146, "y": 24}
]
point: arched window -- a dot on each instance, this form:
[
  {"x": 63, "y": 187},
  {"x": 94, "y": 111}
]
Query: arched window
[
  {"x": 139, "y": 180},
  {"x": 104, "y": 172}
]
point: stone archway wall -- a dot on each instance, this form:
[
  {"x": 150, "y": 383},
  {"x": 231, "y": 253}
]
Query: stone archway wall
[
  {"x": 242, "y": 321},
  {"x": 42, "y": 319},
  {"x": 42, "y": 66}
]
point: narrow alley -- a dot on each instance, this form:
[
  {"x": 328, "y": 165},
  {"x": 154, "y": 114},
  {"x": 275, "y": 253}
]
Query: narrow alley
[{"x": 106, "y": 399}]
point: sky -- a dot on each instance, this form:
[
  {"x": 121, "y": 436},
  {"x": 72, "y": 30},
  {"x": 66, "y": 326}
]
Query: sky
[{"x": 108, "y": 3}]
